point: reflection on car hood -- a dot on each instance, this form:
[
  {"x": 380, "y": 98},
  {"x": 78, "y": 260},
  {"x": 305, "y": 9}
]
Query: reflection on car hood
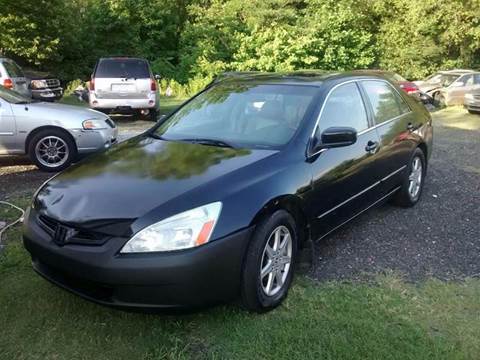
[
  {"x": 135, "y": 177},
  {"x": 61, "y": 111}
]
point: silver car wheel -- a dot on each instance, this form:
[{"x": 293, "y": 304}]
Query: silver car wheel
[
  {"x": 51, "y": 151},
  {"x": 415, "y": 178},
  {"x": 276, "y": 260}
]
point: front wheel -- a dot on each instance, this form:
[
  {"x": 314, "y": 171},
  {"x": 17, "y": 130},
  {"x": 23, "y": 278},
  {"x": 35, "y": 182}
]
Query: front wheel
[
  {"x": 412, "y": 186},
  {"x": 52, "y": 150},
  {"x": 269, "y": 264}
]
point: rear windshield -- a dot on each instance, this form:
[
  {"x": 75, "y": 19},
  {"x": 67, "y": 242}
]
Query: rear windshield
[
  {"x": 122, "y": 68},
  {"x": 13, "y": 69}
]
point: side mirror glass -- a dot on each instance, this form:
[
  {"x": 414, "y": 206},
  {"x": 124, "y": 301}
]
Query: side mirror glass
[{"x": 157, "y": 77}]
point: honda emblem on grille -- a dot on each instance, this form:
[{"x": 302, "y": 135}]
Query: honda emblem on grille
[{"x": 62, "y": 234}]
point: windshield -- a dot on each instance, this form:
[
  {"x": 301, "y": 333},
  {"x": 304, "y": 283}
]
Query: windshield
[
  {"x": 244, "y": 114},
  {"x": 443, "y": 79},
  {"x": 123, "y": 68},
  {"x": 13, "y": 97}
]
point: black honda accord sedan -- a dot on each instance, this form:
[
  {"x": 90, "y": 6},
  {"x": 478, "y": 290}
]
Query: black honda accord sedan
[{"x": 215, "y": 201}]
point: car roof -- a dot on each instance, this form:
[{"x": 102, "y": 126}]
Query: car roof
[
  {"x": 121, "y": 58},
  {"x": 457, "y": 71},
  {"x": 306, "y": 77}
]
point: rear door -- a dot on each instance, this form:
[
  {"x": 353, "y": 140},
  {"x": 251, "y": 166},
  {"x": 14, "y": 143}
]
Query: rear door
[
  {"x": 394, "y": 122},
  {"x": 344, "y": 178},
  {"x": 14, "y": 72},
  {"x": 122, "y": 78}
]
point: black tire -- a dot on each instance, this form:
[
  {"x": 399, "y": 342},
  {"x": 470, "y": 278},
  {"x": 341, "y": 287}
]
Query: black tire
[
  {"x": 475, "y": 112},
  {"x": 404, "y": 196},
  {"x": 253, "y": 294},
  {"x": 153, "y": 115},
  {"x": 61, "y": 138}
]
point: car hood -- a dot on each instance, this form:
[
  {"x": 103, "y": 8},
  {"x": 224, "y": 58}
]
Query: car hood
[
  {"x": 427, "y": 87},
  {"x": 61, "y": 111},
  {"x": 136, "y": 177}
]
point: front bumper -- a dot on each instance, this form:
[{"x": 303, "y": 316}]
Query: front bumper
[
  {"x": 89, "y": 141},
  {"x": 47, "y": 94},
  {"x": 188, "y": 278}
]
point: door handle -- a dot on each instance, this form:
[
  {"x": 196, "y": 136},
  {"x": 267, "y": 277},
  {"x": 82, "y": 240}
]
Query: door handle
[{"x": 371, "y": 147}]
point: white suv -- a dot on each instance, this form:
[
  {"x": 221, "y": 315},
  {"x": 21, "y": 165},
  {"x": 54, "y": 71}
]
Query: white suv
[{"x": 124, "y": 85}]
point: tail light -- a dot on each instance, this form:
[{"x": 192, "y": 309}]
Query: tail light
[
  {"x": 153, "y": 85},
  {"x": 92, "y": 84},
  {"x": 8, "y": 83}
]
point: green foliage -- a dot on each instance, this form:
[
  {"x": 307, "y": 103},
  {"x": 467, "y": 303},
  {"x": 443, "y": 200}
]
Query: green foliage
[{"x": 197, "y": 39}]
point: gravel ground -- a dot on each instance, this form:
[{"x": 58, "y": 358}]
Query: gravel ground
[{"x": 439, "y": 237}]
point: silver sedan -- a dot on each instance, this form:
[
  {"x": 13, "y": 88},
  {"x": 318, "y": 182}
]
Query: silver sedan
[{"x": 53, "y": 135}]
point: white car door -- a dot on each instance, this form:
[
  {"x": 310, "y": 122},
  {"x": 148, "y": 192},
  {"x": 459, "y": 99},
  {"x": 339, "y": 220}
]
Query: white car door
[{"x": 7, "y": 128}]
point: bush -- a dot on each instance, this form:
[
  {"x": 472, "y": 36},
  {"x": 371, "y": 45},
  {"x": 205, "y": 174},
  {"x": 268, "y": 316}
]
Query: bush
[{"x": 72, "y": 85}]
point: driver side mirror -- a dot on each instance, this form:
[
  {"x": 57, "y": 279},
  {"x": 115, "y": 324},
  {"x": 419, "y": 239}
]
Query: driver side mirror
[
  {"x": 157, "y": 77},
  {"x": 335, "y": 137}
]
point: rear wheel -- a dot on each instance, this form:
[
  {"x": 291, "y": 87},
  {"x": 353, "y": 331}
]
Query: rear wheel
[
  {"x": 473, "y": 112},
  {"x": 153, "y": 115},
  {"x": 269, "y": 263},
  {"x": 52, "y": 150},
  {"x": 412, "y": 186}
]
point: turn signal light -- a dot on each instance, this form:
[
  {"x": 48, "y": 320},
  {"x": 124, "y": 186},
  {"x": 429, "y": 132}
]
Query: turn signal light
[
  {"x": 153, "y": 85},
  {"x": 92, "y": 84}
]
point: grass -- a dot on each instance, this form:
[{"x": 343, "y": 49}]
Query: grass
[
  {"x": 167, "y": 104},
  {"x": 387, "y": 319}
]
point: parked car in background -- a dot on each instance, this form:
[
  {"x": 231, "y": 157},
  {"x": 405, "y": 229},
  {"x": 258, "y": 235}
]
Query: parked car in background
[
  {"x": 214, "y": 202},
  {"x": 51, "y": 134},
  {"x": 408, "y": 86},
  {"x": 13, "y": 78},
  {"x": 472, "y": 101},
  {"x": 44, "y": 86},
  {"x": 449, "y": 87},
  {"x": 124, "y": 85}
]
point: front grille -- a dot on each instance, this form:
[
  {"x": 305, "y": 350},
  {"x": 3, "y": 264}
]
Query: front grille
[
  {"x": 52, "y": 83},
  {"x": 63, "y": 234}
]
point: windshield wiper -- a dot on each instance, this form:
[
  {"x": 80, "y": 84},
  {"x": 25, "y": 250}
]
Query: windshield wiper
[
  {"x": 155, "y": 136},
  {"x": 211, "y": 142}
]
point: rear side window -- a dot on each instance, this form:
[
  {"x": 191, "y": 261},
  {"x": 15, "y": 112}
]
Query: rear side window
[
  {"x": 122, "y": 68},
  {"x": 386, "y": 103},
  {"x": 13, "y": 69},
  {"x": 344, "y": 107}
]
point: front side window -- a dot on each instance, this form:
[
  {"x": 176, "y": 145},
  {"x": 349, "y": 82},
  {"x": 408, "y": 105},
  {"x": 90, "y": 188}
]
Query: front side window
[
  {"x": 344, "y": 108},
  {"x": 386, "y": 103},
  {"x": 246, "y": 114},
  {"x": 466, "y": 80}
]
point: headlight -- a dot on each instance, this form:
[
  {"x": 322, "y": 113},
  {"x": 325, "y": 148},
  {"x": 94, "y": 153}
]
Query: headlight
[
  {"x": 93, "y": 124},
  {"x": 38, "y": 84},
  {"x": 182, "y": 231}
]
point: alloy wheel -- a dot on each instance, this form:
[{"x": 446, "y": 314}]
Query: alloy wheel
[
  {"x": 51, "y": 151},
  {"x": 415, "y": 178},
  {"x": 276, "y": 261}
]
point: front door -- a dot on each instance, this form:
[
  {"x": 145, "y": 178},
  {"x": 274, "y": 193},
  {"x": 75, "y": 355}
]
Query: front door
[
  {"x": 345, "y": 180},
  {"x": 7, "y": 128}
]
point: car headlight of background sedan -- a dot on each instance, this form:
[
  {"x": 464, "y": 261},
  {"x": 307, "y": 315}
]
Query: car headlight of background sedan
[
  {"x": 38, "y": 84},
  {"x": 182, "y": 231},
  {"x": 94, "y": 124}
]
